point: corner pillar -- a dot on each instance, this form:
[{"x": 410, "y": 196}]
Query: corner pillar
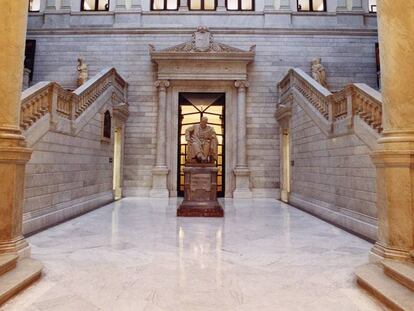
[
  {"x": 394, "y": 157},
  {"x": 160, "y": 171},
  {"x": 241, "y": 171},
  {"x": 13, "y": 151}
]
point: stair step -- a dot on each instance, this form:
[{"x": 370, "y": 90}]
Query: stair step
[
  {"x": 26, "y": 272},
  {"x": 7, "y": 262},
  {"x": 402, "y": 272},
  {"x": 372, "y": 278}
]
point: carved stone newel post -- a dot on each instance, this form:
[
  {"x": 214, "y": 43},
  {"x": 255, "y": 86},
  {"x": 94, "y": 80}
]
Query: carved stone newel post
[
  {"x": 241, "y": 171},
  {"x": 160, "y": 171}
]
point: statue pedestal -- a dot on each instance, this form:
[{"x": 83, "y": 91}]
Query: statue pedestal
[{"x": 200, "y": 192}]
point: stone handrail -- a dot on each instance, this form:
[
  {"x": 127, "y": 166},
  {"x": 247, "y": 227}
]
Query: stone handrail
[
  {"x": 50, "y": 97},
  {"x": 354, "y": 100}
]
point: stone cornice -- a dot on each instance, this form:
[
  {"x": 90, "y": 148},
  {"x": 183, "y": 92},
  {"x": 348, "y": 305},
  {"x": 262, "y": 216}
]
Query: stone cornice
[{"x": 228, "y": 31}]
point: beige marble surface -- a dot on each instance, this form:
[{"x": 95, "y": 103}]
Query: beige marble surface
[{"x": 136, "y": 255}]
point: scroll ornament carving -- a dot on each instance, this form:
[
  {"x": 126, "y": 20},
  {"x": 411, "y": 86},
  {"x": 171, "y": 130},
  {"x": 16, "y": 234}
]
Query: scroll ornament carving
[
  {"x": 162, "y": 84},
  {"x": 241, "y": 84}
]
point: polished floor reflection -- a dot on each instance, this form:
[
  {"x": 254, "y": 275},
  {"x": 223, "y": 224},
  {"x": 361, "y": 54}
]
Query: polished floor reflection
[{"x": 136, "y": 255}]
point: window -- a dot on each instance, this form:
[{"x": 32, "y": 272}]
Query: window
[
  {"x": 164, "y": 5},
  {"x": 240, "y": 5},
  {"x": 312, "y": 5},
  {"x": 204, "y": 5},
  {"x": 373, "y": 6},
  {"x": 34, "y": 5},
  {"x": 95, "y": 5},
  {"x": 107, "y": 126}
]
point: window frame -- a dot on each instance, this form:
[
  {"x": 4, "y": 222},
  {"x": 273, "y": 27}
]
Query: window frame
[
  {"x": 33, "y": 11},
  {"x": 96, "y": 6},
  {"x": 239, "y": 6},
  {"x": 311, "y": 7},
  {"x": 202, "y": 6},
  {"x": 165, "y": 6}
]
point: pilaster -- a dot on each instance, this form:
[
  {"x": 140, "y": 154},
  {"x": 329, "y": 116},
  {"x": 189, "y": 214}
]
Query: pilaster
[
  {"x": 241, "y": 172},
  {"x": 160, "y": 171},
  {"x": 51, "y": 5}
]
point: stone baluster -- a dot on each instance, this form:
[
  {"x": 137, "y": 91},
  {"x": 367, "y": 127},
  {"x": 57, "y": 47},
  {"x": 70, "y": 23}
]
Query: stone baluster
[
  {"x": 241, "y": 171},
  {"x": 160, "y": 171},
  {"x": 13, "y": 151},
  {"x": 120, "y": 5},
  {"x": 394, "y": 158}
]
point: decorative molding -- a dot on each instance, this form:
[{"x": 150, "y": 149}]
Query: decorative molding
[
  {"x": 242, "y": 84},
  {"x": 162, "y": 84},
  {"x": 203, "y": 46}
]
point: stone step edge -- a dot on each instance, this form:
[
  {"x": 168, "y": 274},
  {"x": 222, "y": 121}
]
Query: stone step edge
[
  {"x": 26, "y": 272},
  {"x": 7, "y": 262},
  {"x": 392, "y": 294},
  {"x": 402, "y": 272}
]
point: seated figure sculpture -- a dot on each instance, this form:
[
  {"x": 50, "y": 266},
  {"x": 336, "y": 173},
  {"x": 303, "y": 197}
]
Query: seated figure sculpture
[{"x": 202, "y": 143}]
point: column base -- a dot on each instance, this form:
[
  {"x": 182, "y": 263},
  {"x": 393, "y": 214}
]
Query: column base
[
  {"x": 159, "y": 183},
  {"x": 380, "y": 252},
  {"x": 242, "y": 190},
  {"x": 13, "y": 158},
  {"x": 18, "y": 245}
]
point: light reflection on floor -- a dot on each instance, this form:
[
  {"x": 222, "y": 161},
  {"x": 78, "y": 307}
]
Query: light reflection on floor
[{"x": 136, "y": 255}]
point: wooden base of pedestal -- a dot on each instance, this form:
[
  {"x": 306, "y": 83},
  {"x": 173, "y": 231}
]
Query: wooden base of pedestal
[
  {"x": 195, "y": 209},
  {"x": 200, "y": 192}
]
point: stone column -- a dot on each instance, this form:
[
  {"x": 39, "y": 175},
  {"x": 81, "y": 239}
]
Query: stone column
[
  {"x": 269, "y": 5},
  {"x": 51, "y": 5},
  {"x": 160, "y": 171},
  {"x": 241, "y": 171},
  {"x": 341, "y": 5},
  {"x": 221, "y": 5},
  {"x": 13, "y": 151},
  {"x": 349, "y": 5},
  {"x": 394, "y": 158},
  {"x": 284, "y": 5},
  {"x": 183, "y": 5},
  {"x": 356, "y": 5},
  {"x": 120, "y": 5},
  {"x": 65, "y": 4},
  {"x": 135, "y": 5}
]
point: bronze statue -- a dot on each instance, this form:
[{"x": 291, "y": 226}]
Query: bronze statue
[{"x": 202, "y": 143}]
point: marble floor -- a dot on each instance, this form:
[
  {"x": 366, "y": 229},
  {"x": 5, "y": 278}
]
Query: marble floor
[{"x": 135, "y": 254}]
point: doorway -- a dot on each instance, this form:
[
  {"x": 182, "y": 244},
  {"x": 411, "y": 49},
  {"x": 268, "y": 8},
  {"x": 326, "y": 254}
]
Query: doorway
[{"x": 192, "y": 107}]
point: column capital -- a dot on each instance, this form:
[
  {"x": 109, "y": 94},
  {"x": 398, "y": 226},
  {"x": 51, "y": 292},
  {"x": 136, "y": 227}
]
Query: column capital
[
  {"x": 162, "y": 84},
  {"x": 242, "y": 84}
]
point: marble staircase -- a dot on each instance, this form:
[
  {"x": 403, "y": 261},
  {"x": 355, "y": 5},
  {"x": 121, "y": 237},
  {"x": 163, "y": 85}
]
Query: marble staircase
[
  {"x": 16, "y": 275},
  {"x": 392, "y": 282}
]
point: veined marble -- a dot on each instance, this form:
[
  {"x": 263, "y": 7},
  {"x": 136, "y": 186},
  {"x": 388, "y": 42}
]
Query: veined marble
[{"x": 135, "y": 254}]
